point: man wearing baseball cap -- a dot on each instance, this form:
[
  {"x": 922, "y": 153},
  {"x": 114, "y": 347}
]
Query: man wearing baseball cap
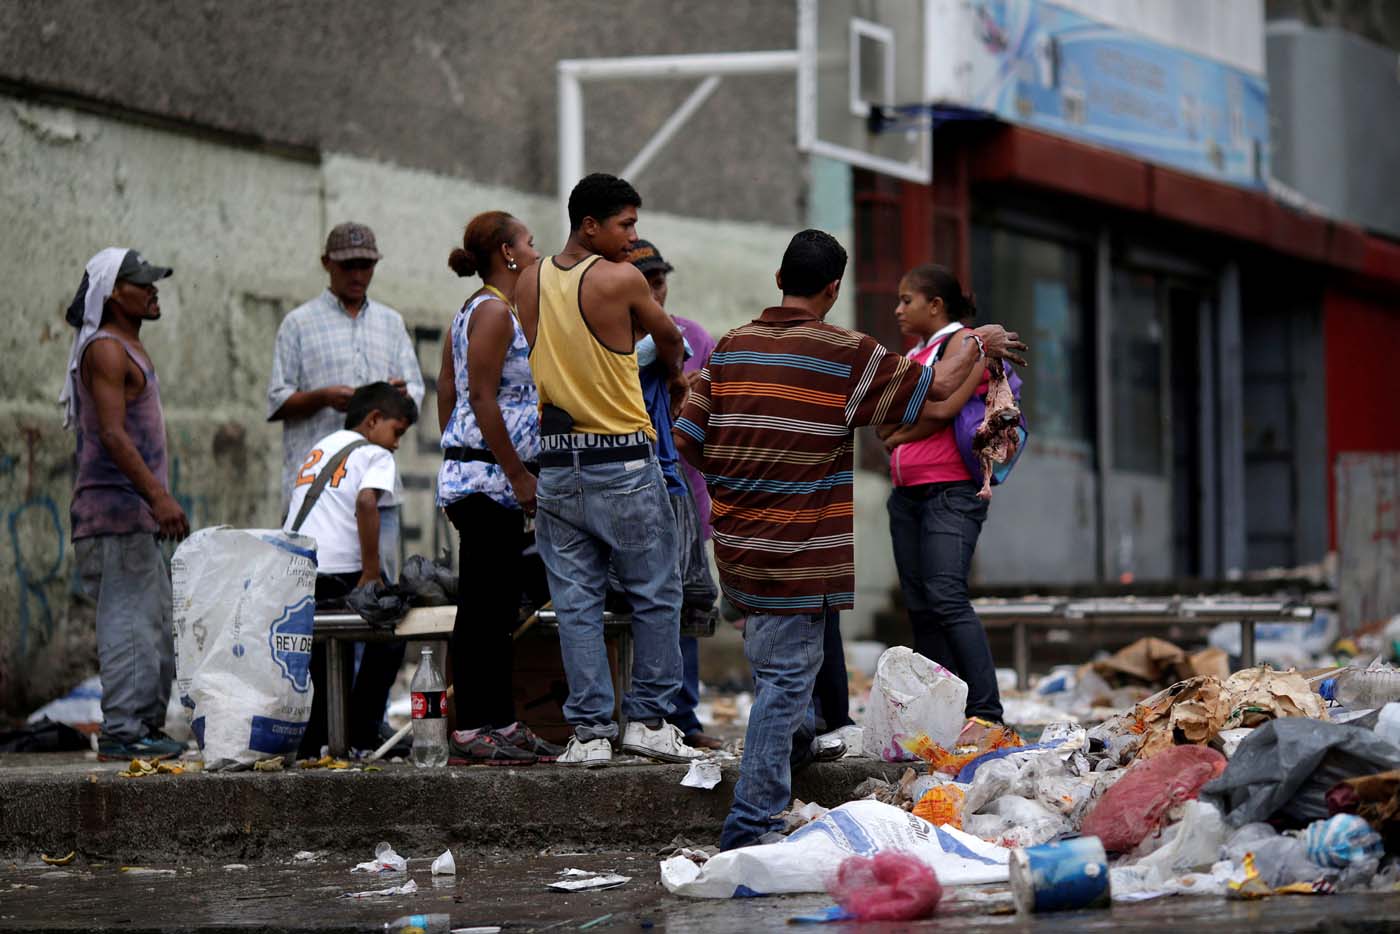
[
  {"x": 121, "y": 498},
  {"x": 338, "y": 341}
]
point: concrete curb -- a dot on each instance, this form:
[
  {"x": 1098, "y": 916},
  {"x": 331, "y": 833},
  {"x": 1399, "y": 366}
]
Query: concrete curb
[{"x": 252, "y": 815}]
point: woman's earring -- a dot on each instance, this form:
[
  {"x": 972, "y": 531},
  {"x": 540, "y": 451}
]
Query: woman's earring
[{"x": 510, "y": 263}]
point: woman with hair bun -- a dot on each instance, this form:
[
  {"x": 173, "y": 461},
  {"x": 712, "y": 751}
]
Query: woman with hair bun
[
  {"x": 488, "y": 410},
  {"x": 935, "y": 514}
]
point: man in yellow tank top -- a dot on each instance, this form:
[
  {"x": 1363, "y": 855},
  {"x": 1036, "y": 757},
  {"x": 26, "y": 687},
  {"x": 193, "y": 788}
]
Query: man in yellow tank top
[{"x": 601, "y": 496}]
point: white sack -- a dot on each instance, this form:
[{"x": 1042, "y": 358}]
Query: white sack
[
  {"x": 805, "y": 860},
  {"x": 244, "y": 614}
]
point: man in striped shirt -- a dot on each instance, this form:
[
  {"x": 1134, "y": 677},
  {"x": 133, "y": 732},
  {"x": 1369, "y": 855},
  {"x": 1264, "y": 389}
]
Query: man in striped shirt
[{"x": 770, "y": 426}]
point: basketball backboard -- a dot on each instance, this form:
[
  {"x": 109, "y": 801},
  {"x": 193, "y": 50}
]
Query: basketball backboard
[{"x": 855, "y": 55}]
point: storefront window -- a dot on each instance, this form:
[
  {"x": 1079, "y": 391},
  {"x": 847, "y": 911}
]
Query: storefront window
[
  {"x": 1136, "y": 368},
  {"x": 1035, "y": 286}
]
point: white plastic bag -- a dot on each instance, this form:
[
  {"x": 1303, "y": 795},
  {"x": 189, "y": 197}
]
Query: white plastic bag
[
  {"x": 806, "y": 859},
  {"x": 244, "y": 614},
  {"x": 1014, "y": 821},
  {"x": 911, "y": 695}
]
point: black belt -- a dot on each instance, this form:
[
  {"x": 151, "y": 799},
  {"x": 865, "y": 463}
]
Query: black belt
[
  {"x": 469, "y": 454},
  {"x": 482, "y": 455},
  {"x": 588, "y": 456}
]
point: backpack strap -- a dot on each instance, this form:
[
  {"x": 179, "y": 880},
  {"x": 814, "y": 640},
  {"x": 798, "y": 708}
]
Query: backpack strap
[
  {"x": 938, "y": 354},
  {"x": 323, "y": 478}
]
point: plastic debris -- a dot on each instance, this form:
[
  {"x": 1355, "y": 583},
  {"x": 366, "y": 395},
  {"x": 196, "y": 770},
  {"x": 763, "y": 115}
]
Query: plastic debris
[
  {"x": 59, "y": 860},
  {"x": 581, "y": 880},
  {"x": 941, "y": 807},
  {"x": 408, "y": 888},
  {"x": 1285, "y": 768},
  {"x": 269, "y": 765},
  {"x": 1341, "y": 840},
  {"x": 385, "y": 860},
  {"x": 444, "y": 865},
  {"x": 236, "y": 867},
  {"x": 911, "y": 697},
  {"x": 305, "y": 856},
  {"x": 144, "y": 871},
  {"x": 1138, "y": 802},
  {"x": 886, "y": 887},
  {"x": 703, "y": 773}
]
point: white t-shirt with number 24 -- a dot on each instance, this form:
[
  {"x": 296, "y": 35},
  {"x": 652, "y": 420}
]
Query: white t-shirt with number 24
[{"x": 332, "y": 518}]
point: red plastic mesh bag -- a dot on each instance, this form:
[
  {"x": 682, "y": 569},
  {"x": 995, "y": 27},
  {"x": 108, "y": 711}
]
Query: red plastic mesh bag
[
  {"x": 1134, "y": 806},
  {"x": 886, "y": 887}
]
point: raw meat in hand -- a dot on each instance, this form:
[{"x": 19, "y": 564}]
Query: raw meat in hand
[{"x": 996, "y": 440}]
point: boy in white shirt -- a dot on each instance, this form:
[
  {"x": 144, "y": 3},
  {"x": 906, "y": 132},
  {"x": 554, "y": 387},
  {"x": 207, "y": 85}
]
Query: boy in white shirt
[{"x": 346, "y": 478}]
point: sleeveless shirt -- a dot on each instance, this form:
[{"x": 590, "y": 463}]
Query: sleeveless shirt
[
  {"x": 520, "y": 410},
  {"x": 105, "y": 501},
  {"x": 599, "y": 387}
]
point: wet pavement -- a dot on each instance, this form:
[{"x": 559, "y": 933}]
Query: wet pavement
[{"x": 509, "y": 889}]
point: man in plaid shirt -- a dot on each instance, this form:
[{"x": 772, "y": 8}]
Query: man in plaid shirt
[{"x": 334, "y": 343}]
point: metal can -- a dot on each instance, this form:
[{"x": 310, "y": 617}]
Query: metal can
[{"x": 1060, "y": 876}]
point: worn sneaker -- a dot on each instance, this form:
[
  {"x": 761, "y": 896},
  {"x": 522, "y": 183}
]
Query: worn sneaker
[
  {"x": 522, "y": 737},
  {"x": 664, "y": 743},
  {"x": 590, "y": 754},
  {"x": 155, "y": 745},
  {"x": 485, "y": 747}
]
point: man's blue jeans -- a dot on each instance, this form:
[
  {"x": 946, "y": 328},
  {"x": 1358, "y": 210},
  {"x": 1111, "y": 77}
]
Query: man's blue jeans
[
  {"x": 785, "y": 653},
  {"x": 619, "y": 514}
]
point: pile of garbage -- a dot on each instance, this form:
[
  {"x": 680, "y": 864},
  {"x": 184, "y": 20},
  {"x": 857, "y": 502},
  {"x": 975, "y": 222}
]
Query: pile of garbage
[{"x": 1245, "y": 785}]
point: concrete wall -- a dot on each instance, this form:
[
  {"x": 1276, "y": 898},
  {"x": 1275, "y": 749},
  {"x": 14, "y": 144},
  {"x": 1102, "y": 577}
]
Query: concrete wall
[
  {"x": 462, "y": 87},
  {"x": 243, "y": 230},
  {"x": 1334, "y": 104}
]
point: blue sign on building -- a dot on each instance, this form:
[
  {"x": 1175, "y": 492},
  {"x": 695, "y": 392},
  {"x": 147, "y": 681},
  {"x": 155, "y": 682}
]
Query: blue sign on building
[{"x": 1050, "y": 68}]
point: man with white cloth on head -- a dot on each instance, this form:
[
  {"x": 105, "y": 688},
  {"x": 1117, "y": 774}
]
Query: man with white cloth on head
[{"x": 121, "y": 499}]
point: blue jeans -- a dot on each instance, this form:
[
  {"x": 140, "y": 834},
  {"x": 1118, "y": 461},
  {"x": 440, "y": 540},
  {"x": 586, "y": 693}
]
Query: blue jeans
[
  {"x": 614, "y": 514},
  {"x": 935, "y": 531},
  {"x": 785, "y": 653}
]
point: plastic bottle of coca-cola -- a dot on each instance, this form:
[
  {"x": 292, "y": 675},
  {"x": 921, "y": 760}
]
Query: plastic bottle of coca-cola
[{"x": 429, "y": 713}]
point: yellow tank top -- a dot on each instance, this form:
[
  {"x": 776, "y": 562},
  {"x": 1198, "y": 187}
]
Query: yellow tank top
[{"x": 599, "y": 387}]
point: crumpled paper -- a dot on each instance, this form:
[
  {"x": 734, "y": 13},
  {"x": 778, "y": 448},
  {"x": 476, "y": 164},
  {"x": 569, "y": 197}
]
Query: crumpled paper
[
  {"x": 1258, "y": 695},
  {"x": 703, "y": 773},
  {"x": 1153, "y": 660}
]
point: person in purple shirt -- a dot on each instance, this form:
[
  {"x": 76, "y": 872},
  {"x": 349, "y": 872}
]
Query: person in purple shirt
[
  {"x": 689, "y": 499},
  {"x": 121, "y": 499}
]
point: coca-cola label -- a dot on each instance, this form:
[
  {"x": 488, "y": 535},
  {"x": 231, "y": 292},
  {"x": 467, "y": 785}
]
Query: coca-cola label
[{"x": 429, "y": 705}]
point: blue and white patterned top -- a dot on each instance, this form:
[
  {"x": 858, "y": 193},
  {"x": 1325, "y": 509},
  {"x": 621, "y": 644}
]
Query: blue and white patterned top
[{"x": 520, "y": 408}]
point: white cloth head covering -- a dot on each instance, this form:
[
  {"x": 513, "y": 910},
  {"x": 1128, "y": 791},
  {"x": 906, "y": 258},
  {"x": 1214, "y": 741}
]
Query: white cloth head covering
[{"x": 98, "y": 281}]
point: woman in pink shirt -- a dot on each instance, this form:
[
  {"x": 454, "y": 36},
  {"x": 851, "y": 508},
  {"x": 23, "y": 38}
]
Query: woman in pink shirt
[{"x": 935, "y": 515}]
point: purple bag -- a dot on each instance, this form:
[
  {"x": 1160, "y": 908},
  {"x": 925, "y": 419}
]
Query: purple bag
[{"x": 970, "y": 418}]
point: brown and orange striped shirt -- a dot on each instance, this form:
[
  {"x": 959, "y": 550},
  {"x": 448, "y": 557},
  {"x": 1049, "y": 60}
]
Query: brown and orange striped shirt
[{"x": 770, "y": 425}]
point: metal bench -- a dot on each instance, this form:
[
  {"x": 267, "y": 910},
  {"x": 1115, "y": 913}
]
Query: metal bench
[
  {"x": 340, "y": 630},
  {"x": 1020, "y": 615}
]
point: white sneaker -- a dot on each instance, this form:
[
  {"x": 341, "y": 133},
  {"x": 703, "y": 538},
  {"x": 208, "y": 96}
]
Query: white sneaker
[
  {"x": 590, "y": 754},
  {"x": 665, "y": 743}
]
